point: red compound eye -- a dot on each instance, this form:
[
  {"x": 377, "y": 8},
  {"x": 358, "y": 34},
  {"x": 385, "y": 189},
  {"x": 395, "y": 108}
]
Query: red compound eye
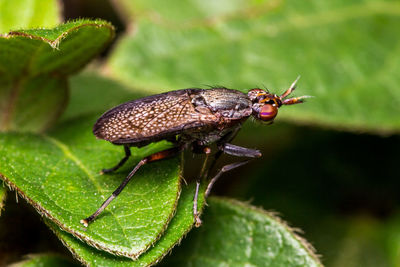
[{"x": 268, "y": 112}]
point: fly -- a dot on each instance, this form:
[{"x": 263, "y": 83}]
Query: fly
[{"x": 190, "y": 119}]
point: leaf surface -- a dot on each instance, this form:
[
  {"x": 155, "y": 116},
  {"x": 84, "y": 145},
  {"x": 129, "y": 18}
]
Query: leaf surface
[
  {"x": 237, "y": 234},
  {"x": 181, "y": 224},
  {"x": 346, "y": 52},
  {"x": 59, "y": 175},
  {"x": 233, "y": 233},
  {"x": 35, "y": 65}
]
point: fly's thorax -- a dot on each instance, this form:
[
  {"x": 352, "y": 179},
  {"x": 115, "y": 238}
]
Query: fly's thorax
[{"x": 227, "y": 103}]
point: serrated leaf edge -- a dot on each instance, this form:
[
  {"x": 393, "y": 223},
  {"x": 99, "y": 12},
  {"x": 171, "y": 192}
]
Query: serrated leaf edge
[
  {"x": 294, "y": 232},
  {"x": 89, "y": 241},
  {"x": 152, "y": 263},
  {"x": 55, "y": 43}
]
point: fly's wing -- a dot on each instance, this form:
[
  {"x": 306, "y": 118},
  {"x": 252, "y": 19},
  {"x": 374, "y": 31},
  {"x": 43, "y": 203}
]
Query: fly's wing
[{"x": 151, "y": 119}]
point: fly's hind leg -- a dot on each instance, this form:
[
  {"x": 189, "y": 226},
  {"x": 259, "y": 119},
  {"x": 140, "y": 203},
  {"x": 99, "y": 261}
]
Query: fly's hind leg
[
  {"x": 224, "y": 169},
  {"x": 122, "y": 161},
  {"x": 234, "y": 151},
  {"x": 227, "y": 148},
  {"x": 153, "y": 157}
]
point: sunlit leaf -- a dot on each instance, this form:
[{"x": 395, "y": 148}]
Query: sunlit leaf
[
  {"x": 178, "y": 227},
  {"x": 59, "y": 175}
]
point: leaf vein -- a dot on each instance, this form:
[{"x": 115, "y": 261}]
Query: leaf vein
[{"x": 67, "y": 152}]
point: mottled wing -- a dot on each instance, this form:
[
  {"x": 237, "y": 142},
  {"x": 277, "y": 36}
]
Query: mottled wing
[{"x": 151, "y": 119}]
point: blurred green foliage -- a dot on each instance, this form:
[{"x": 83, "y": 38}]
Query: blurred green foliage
[{"x": 346, "y": 52}]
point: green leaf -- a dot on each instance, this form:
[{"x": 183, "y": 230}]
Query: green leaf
[
  {"x": 44, "y": 260},
  {"x": 236, "y": 234},
  {"x": 346, "y": 52},
  {"x": 59, "y": 175},
  {"x": 181, "y": 224},
  {"x": 232, "y": 234},
  {"x": 18, "y": 14},
  {"x": 34, "y": 67}
]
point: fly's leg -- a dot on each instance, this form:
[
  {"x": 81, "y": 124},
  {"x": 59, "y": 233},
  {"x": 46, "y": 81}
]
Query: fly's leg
[
  {"x": 224, "y": 148},
  {"x": 119, "y": 165},
  {"x": 234, "y": 151},
  {"x": 224, "y": 140},
  {"x": 203, "y": 171},
  {"x": 239, "y": 151},
  {"x": 224, "y": 169},
  {"x": 154, "y": 157}
]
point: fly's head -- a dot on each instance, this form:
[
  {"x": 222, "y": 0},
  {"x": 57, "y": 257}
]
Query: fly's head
[{"x": 265, "y": 105}]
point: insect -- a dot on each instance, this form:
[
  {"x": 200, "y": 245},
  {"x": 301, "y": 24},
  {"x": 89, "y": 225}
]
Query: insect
[{"x": 190, "y": 119}]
